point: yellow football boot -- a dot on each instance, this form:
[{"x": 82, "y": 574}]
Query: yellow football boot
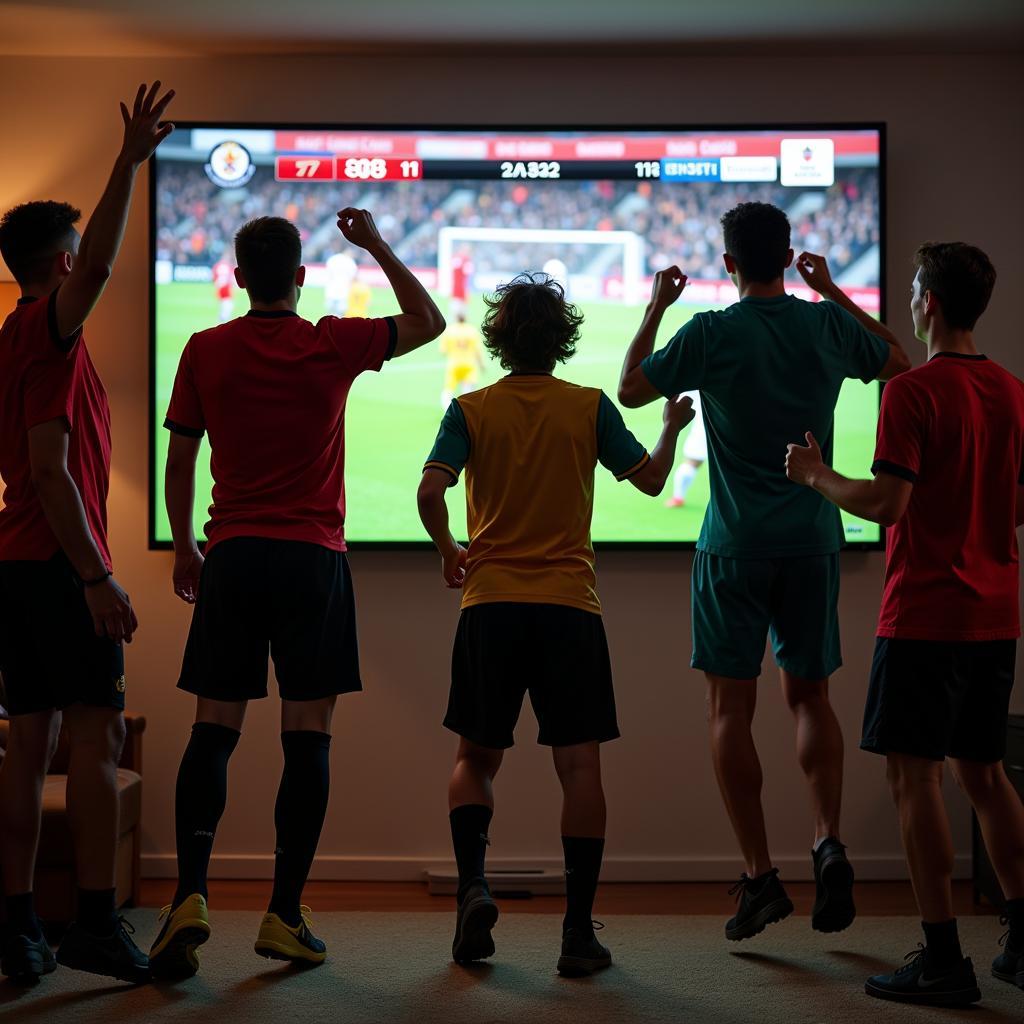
[
  {"x": 278, "y": 941},
  {"x": 174, "y": 954}
]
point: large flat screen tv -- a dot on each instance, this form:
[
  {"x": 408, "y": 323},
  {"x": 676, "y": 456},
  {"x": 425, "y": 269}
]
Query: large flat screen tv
[{"x": 600, "y": 209}]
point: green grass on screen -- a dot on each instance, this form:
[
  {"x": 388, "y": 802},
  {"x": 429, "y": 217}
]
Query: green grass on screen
[{"x": 393, "y": 417}]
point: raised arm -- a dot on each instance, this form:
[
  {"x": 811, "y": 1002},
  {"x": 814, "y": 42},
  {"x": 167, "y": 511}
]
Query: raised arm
[
  {"x": 109, "y": 605},
  {"x": 420, "y": 320},
  {"x": 882, "y": 499},
  {"x": 101, "y": 241},
  {"x": 179, "y": 497},
  {"x": 635, "y": 390},
  {"x": 814, "y": 270},
  {"x": 434, "y": 515}
]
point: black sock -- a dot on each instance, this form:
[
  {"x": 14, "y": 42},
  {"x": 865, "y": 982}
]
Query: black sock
[
  {"x": 199, "y": 800},
  {"x": 21, "y": 916},
  {"x": 1015, "y": 918},
  {"x": 943, "y": 942},
  {"x": 582, "y": 870},
  {"x": 97, "y": 912},
  {"x": 299, "y": 817},
  {"x": 469, "y": 839}
]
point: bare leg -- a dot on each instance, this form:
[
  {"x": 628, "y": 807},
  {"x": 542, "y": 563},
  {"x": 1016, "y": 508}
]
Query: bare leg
[
  {"x": 228, "y": 713},
  {"x": 583, "y": 806},
  {"x": 916, "y": 785},
  {"x": 33, "y": 739},
  {"x": 97, "y": 739},
  {"x": 819, "y": 748},
  {"x": 1001, "y": 816},
  {"x": 731, "y": 704},
  {"x": 475, "y": 769}
]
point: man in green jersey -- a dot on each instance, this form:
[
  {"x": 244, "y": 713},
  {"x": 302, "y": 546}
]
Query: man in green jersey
[{"x": 768, "y": 368}]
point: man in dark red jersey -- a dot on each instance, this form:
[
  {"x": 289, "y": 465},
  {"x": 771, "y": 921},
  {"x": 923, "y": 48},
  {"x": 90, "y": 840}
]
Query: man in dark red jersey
[
  {"x": 270, "y": 389},
  {"x": 63, "y": 617},
  {"x": 949, "y": 469}
]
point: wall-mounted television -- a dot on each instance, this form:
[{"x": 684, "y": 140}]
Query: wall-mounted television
[{"x": 468, "y": 208}]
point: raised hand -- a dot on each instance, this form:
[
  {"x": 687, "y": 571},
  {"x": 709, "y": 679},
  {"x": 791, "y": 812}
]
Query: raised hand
[
  {"x": 814, "y": 270},
  {"x": 143, "y": 129},
  {"x": 358, "y": 227},
  {"x": 678, "y": 411},
  {"x": 188, "y": 567},
  {"x": 668, "y": 286},
  {"x": 804, "y": 463}
]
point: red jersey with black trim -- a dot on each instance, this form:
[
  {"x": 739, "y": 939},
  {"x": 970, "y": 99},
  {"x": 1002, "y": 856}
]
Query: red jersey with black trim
[
  {"x": 270, "y": 389},
  {"x": 954, "y": 428},
  {"x": 45, "y": 377}
]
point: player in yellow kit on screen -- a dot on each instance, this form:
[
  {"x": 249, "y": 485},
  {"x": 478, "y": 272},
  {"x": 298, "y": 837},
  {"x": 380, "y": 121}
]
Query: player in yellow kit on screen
[
  {"x": 461, "y": 345},
  {"x": 359, "y": 299}
]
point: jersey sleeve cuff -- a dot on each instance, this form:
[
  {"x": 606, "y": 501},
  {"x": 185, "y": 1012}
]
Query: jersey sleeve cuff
[
  {"x": 180, "y": 428},
  {"x": 392, "y": 337},
  {"x": 434, "y": 464},
  {"x": 634, "y": 469},
  {"x": 893, "y": 469}
]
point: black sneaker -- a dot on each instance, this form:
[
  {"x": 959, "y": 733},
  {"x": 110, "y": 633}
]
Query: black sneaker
[
  {"x": 915, "y": 982},
  {"x": 1009, "y": 965},
  {"x": 833, "y": 876},
  {"x": 26, "y": 960},
  {"x": 582, "y": 954},
  {"x": 114, "y": 955},
  {"x": 477, "y": 915},
  {"x": 761, "y": 901}
]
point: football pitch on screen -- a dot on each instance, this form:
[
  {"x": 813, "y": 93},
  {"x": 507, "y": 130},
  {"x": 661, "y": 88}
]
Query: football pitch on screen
[{"x": 393, "y": 417}]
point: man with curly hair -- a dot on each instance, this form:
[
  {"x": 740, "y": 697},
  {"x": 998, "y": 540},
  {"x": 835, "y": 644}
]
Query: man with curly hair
[
  {"x": 63, "y": 617},
  {"x": 531, "y": 618},
  {"x": 767, "y": 562}
]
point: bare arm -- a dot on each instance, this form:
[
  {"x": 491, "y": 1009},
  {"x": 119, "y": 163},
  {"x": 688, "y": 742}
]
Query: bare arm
[
  {"x": 881, "y": 500},
  {"x": 101, "y": 241},
  {"x": 814, "y": 270},
  {"x": 434, "y": 515},
  {"x": 420, "y": 320},
  {"x": 635, "y": 390},
  {"x": 179, "y": 497},
  {"x": 109, "y": 605},
  {"x": 651, "y": 479}
]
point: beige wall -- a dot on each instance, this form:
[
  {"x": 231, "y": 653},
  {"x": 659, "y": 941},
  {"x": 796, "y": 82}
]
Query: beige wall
[{"x": 955, "y": 150}]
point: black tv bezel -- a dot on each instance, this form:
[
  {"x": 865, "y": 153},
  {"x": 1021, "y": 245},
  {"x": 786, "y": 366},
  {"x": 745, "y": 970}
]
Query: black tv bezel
[{"x": 155, "y": 544}]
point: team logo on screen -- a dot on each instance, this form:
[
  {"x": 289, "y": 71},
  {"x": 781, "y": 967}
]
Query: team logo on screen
[{"x": 230, "y": 165}]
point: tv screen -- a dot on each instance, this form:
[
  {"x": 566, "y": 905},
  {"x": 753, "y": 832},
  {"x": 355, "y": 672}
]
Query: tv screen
[{"x": 467, "y": 209}]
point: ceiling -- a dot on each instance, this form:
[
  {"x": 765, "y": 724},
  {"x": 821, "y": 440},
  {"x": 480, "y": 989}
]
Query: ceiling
[{"x": 203, "y": 27}]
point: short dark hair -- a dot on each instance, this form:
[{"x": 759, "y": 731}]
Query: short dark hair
[
  {"x": 757, "y": 238},
  {"x": 33, "y": 233},
  {"x": 529, "y": 325},
  {"x": 960, "y": 276},
  {"x": 268, "y": 251}
]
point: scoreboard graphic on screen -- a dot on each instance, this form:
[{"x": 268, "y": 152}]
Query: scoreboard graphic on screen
[{"x": 467, "y": 209}]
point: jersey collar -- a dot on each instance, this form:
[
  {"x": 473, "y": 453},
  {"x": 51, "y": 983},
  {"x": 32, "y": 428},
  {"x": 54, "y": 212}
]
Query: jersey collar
[
  {"x": 271, "y": 314},
  {"x": 974, "y": 357}
]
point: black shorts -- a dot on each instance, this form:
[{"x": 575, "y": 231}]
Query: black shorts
[
  {"x": 936, "y": 700},
  {"x": 285, "y": 598},
  {"x": 50, "y": 655},
  {"x": 557, "y": 653}
]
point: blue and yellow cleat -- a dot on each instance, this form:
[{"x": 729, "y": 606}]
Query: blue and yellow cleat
[
  {"x": 279, "y": 941},
  {"x": 175, "y": 954}
]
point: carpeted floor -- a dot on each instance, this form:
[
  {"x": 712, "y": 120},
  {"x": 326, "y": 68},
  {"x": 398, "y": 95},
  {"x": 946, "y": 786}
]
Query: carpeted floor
[{"x": 395, "y": 969}]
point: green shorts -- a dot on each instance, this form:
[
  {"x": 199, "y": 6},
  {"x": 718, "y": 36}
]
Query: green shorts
[{"x": 739, "y": 602}]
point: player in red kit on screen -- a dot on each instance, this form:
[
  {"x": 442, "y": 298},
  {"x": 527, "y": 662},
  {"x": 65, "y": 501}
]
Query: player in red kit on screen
[
  {"x": 224, "y": 286},
  {"x": 462, "y": 277},
  {"x": 949, "y": 481},
  {"x": 63, "y": 618},
  {"x": 270, "y": 390}
]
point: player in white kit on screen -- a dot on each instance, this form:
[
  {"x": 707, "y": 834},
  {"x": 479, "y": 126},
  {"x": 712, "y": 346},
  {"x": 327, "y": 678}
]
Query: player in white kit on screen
[
  {"x": 695, "y": 454},
  {"x": 341, "y": 272}
]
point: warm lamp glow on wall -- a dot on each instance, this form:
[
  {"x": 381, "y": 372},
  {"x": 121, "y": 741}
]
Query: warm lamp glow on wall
[{"x": 9, "y": 291}]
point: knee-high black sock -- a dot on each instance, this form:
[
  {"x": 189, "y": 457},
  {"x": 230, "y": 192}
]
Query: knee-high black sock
[
  {"x": 582, "y": 870},
  {"x": 199, "y": 800},
  {"x": 1015, "y": 919},
  {"x": 469, "y": 838},
  {"x": 299, "y": 817}
]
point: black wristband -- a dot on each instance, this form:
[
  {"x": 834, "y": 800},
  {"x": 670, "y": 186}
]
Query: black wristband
[{"x": 99, "y": 579}]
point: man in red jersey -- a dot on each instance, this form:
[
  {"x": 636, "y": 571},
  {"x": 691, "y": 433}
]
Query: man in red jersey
[
  {"x": 949, "y": 468},
  {"x": 224, "y": 285},
  {"x": 462, "y": 276},
  {"x": 270, "y": 390},
  {"x": 63, "y": 617}
]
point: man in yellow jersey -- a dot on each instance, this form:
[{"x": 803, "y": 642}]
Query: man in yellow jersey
[
  {"x": 461, "y": 344},
  {"x": 359, "y": 299},
  {"x": 531, "y": 618}
]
